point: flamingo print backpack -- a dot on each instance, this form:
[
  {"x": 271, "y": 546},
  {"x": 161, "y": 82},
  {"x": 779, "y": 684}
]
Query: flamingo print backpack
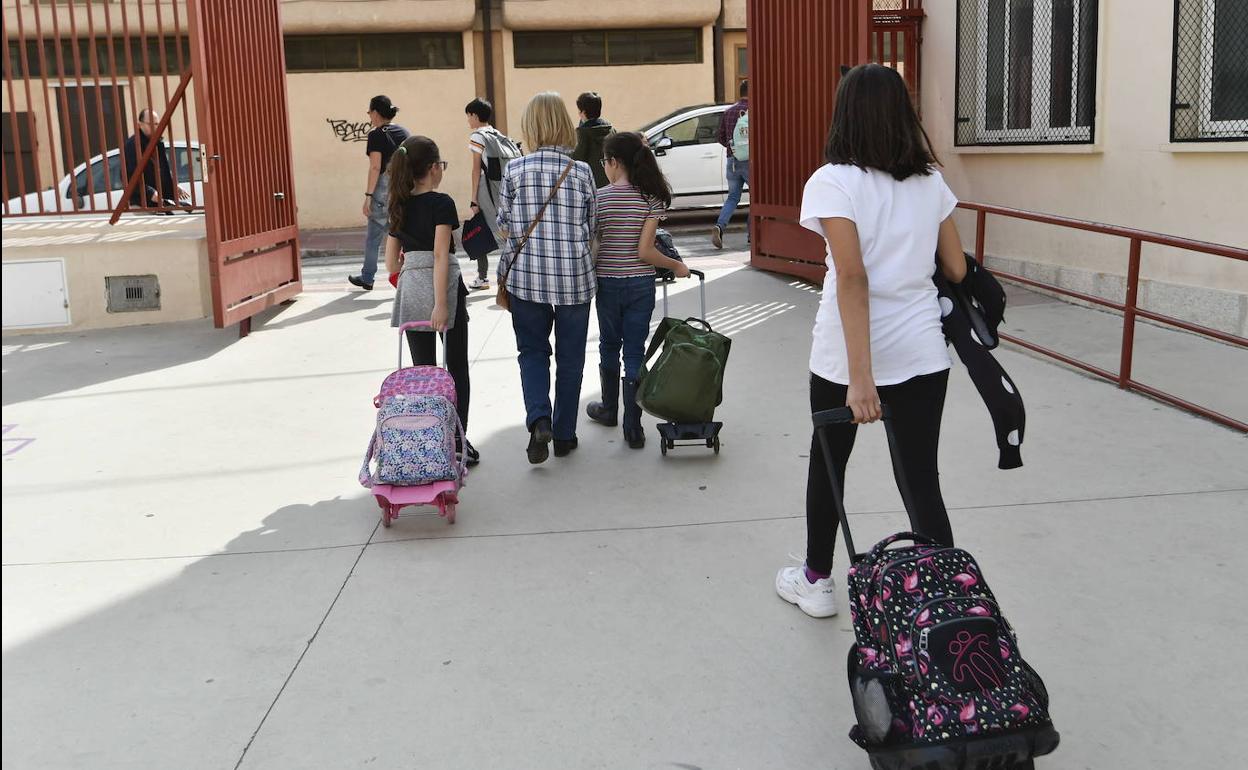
[{"x": 935, "y": 672}]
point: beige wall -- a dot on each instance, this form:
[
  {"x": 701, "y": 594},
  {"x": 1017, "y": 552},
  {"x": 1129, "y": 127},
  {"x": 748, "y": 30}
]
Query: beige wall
[
  {"x": 604, "y": 14},
  {"x": 1131, "y": 177},
  {"x": 313, "y": 16},
  {"x": 732, "y": 40},
  {"x": 173, "y": 249},
  {"x": 632, "y": 96},
  {"x": 330, "y": 174},
  {"x": 734, "y": 14}
]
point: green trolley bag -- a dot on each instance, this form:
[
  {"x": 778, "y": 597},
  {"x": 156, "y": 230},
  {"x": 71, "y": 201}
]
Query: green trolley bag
[{"x": 685, "y": 383}]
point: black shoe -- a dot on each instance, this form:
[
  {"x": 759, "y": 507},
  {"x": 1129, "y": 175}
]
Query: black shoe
[
  {"x": 607, "y": 411},
  {"x": 564, "y": 448},
  {"x": 355, "y": 280},
  {"x": 472, "y": 457},
  {"x": 634, "y": 435},
  {"x": 539, "y": 437}
]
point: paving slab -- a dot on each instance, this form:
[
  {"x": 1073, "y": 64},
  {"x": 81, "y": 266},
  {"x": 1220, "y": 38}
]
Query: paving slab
[{"x": 167, "y": 663}]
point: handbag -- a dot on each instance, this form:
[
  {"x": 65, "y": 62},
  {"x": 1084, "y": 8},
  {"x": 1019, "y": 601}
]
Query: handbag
[
  {"x": 503, "y": 297},
  {"x": 478, "y": 239}
]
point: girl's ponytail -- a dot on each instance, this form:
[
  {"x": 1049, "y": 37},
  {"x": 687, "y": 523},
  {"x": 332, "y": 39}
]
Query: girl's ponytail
[
  {"x": 410, "y": 163},
  {"x": 630, "y": 150}
]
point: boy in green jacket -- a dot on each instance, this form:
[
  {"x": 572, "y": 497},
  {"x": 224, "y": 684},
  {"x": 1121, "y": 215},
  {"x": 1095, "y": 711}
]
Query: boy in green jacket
[{"x": 591, "y": 134}]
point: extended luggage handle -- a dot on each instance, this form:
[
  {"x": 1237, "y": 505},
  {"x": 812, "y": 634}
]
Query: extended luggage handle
[
  {"x": 419, "y": 325},
  {"x": 844, "y": 415},
  {"x": 701, "y": 295}
]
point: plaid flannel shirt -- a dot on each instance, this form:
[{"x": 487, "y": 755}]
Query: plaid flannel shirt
[{"x": 556, "y": 266}]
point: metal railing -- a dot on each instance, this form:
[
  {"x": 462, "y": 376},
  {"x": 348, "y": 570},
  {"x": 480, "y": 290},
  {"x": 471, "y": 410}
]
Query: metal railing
[
  {"x": 77, "y": 77},
  {"x": 1130, "y": 309}
]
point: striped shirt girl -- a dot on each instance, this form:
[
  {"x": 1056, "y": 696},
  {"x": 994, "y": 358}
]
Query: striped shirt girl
[{"x": 622, "y": 213}]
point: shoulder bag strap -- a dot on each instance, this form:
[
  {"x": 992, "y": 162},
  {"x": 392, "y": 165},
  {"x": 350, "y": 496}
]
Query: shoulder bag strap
[
  {"x": 537, "y": 219},
  {"x": 660, "y": 336}
]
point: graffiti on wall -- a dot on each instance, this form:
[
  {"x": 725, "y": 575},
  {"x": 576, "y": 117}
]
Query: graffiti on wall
[{"x": 349, "y": 131}]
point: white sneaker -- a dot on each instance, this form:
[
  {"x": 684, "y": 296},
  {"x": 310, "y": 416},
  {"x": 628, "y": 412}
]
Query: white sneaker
[
  {"x": 477, "y": 283},
  {"x": 817, "y": 599}
]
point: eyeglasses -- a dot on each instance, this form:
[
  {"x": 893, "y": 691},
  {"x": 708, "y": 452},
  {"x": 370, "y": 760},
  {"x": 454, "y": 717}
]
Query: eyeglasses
[
  {"x": 603, "y": 161},
  {"x": 442, "y": 164}
]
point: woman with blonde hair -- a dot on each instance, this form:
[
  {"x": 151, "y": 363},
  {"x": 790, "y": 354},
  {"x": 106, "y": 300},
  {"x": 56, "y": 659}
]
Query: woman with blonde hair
[{"x": 546, "y": 273}]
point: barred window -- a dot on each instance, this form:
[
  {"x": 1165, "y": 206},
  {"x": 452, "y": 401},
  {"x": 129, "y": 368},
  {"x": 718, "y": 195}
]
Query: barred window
[
  {"x": 1210, "y": 87},
  {"x": 608, "y": 47},
  {"x": 87, "y": 57},
  {"x": 388, "y": 51},
  {"x": 1026, "y": 72}
]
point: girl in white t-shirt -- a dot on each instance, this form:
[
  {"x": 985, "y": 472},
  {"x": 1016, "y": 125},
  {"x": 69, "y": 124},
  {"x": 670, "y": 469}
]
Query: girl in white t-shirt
[{"x": 885, "y": 213}]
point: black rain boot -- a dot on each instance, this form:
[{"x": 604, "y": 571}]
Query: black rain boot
[
  {"x": 607, "y": 411},
  {"x": 634, "y": 435}
]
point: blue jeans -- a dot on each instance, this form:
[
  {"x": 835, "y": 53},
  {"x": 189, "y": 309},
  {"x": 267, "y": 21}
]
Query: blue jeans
[
  {"x": 532, "y": 322},
  {"x": 625, "y": 306},
  {"x": 738, "y": 175},
  {"x": 378, "y": 226}
]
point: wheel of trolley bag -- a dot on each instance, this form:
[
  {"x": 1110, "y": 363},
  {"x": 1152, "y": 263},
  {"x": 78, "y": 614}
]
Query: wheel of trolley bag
[
  {"x": 450, "y": 513},
  {"x": 663, "y": 446},
  {"x": 386, "y": 515},
  {"x": 715, "y": 444}
]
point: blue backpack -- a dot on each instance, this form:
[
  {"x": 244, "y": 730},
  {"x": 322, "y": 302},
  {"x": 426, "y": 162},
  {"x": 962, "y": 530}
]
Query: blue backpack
[{"x": 741, "y": 138}]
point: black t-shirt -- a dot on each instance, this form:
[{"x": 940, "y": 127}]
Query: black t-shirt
[
  {"x": 385, "y": 140},
  {"x": 421, "y": 216}
]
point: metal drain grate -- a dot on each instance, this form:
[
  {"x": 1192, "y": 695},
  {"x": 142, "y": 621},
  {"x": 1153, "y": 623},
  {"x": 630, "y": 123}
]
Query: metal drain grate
[{"x": 127, "y": 293}]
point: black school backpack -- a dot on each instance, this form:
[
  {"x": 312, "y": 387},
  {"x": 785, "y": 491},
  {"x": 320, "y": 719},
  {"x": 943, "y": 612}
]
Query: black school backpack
[{"x": 935, "y": 672}]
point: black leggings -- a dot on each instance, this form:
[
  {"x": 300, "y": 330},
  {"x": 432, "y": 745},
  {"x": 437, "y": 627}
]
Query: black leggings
[
  {"x": 916, "y": 406},
  {"x": 425, "y": 353}
]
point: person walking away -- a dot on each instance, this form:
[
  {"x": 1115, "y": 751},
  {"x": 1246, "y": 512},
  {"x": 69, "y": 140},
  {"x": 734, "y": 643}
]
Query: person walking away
[
  {"x": 384, "y": 138},
  {"x": 419, "y": 245},
  {"x": 629, "y": 211},
  {"x": 737, "y": 172},
  {"x": 884, "y": 210},
  {"x": 492, "y": 151},
  {"x": 158, "y": 185},
  {"x": 548, "y": 270},
  {"x": 590, "y": 135}
]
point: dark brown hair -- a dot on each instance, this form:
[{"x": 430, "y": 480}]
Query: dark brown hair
[
  {"x": 630, "y": 150},
  {"x": 409, "y": 164},
  {"x": 590, "y": 103},
  {"x": 874, "y": 125}
]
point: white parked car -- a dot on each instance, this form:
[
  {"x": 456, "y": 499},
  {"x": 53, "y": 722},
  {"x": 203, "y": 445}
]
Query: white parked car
[
  {"x": 105, "y": 170},
  {"x": 691, "y": 158}
]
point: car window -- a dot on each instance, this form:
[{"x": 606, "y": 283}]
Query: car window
[
  {"x": 698, "y": 130},
  {"x": 646, "y": 129},
  {"x": 185, "y": 169},
  {"x": 99, "y": 178}
]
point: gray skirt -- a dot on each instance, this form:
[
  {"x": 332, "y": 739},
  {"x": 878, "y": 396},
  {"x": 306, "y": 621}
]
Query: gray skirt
[{"x": 414, "y": 301}]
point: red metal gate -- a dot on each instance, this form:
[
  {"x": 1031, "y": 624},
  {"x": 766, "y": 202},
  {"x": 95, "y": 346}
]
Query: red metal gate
[
  {"x": 896, "y": 27},
  {"x": 797, "y": 49},
  {"x": 239, "y": 71}
]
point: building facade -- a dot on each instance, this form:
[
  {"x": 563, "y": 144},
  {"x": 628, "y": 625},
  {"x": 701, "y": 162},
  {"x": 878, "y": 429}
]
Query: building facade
[
  {"x": 646, "y": 58},
  {"x": 1123, "y": 112}
]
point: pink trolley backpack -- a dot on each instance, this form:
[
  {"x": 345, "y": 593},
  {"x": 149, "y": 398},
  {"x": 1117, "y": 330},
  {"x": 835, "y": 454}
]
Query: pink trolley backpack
[{"x": 416, "y": 441}]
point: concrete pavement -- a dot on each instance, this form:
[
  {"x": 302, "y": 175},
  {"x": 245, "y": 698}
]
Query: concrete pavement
[{"x": 192, "y": 577}]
